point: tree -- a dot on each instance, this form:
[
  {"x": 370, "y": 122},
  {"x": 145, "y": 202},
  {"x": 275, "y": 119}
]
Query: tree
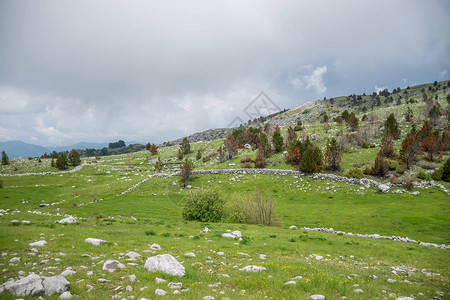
[
  {"x": 326, "y": 127},
  {"x": 263, "y": 143},
  {"x": 159, "y": 165},
  {"x": 387, "y": 148},
  {"x": 391, "y": 127},
  {"x": 352, "y": 122},
  {"x": 147, "y": 147},
  {"x": 409, "y": 149},
  {"x": 432, "y": 144},
  {"x": 54, "y": 155},
  {"x": 380, "y": 168},
  {"x": 74, "y": 158},
  {"x": 186, "y": 171},
  {"x": 5, "y": 159},
  {"x": 230, "y": 147},
  {"x": 293, "y": 156},
  {"x": 153, "y": 149},
  {"x": 199, "y": 155},
  {"x": 260, "y": 161},
  {"x": 446, "y": 171},
  {"x": 291, "y": 137},
  {"x": 344, "y": 115},
  {"x": 118, "y": 144},
  {"x": 434, "y": 115},
  {"x": 409, "y": 115},
  {"x": 333, "y": 155},
  {"x": 277, "y": 141},
  {"x": 185, "y": 146},
  {"x": 180, "y": 154},
  {"x": 61, "y": 161},
  {"x": 311, "y": 161},
  {"x": 221, "y": 154}
]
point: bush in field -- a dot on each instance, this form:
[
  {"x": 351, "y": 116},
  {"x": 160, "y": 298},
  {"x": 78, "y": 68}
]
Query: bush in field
[
  {"x": 61, "y": 161},
  {"x": 446, "y": 171},
  {"x": 5, "y": 159},
  {"x": 354, "y": 173},
  {"x": 204, "y": 205},
  {"x": 186, "y": 171},
  {"x": 74, "y": 158},
  {"x": 333, "y": 155},
  {"x": 311, "y": 161},
  {"x": 185, "y": 146}
]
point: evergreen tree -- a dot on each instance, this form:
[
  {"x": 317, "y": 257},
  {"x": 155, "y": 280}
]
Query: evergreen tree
[
  {"x": 180, "y": 154},
  {"x": 61, "y": 161},
  {"x": 230, "y": 147},
  {"x": 277, "y": 141},
  {"x": 221, "y": 154},
  {"x": 380, "y": 168},
  {"x": 260, "y": 161},
  {"x": 185, "y": 146},
  {"x": 311, "y": 161},
  {"x": 409, "y": 115},
  {"x": 263, "y": 143},
  {"x": 5, "y": 159},
  {"x": 291, "y": 137},
  {"x": 186, "y": 171},
  {"x": 153, "y": 149},
  {"x": 446, "y": 171},
  {"x": 410, "y": 149},
  {"x": 333, "y": 155},
  {"x": 432, "y": 144},
  {"x": 434, "y": 115},
  {"x": 74, "y": 158},
  {"x": 345, "y": 115},
  {"x": 352, "y": 122},
  {"x": 54, "y": 154},
  {"x": 199, "y": 155},
  {"x": 391, "y": 127},
  {"x": 159, "y": 165},
  {"x": 147, "y": 147}
]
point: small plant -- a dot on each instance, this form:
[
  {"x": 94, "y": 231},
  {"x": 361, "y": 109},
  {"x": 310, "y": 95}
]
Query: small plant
[
  {"x": 150, "y": 232},
  {"x": 401, "y": 169},
  {"x": 354, "y": 173},
  {"x": 165, "y": 234},
  {"x": 1, "y": 184},
  {"x": 422, "y": 175},
  {"x": 245, "y": 240}
]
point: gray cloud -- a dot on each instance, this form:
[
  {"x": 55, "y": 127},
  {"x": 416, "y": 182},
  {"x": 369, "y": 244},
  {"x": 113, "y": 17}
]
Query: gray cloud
[{"x": 148, "y": 70}]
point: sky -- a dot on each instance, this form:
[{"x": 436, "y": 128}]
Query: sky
[{"x": 153, "y": 71}]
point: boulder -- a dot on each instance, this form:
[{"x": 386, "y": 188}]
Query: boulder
[
  {"x": 253, "y": 268},
  {"x": 94, "y": 241},
  {"x": 65, "y": 295},
  {"x": 68, "y": 220},
  {"x": 160, "y": 292},
  {"x": 55, "y": 284},
  {"x": 133, "y": 255},
  {"x": 384, "y": 188},
  {"x": 165, "y": 263},
  {"x": 38, "y": 244},
  {"x": 155, "y": 247},
  {"x": 111, "y": 265},
  {"x": 27, "y": 286},
  {"x": 233, "y": 234}
]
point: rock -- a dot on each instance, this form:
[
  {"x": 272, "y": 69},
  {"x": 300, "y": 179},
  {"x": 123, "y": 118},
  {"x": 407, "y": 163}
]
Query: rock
[
  {"x": 38, "y": 244},
  {"x": 160, "y": 292},
  {"x": 67, "y": 273},
  {"x": 94, "y": 241},
  {"x": 290, "y": 283},
  {"x": 262, "y": 256},
  {"x": 68, "y": 220},
  {"x": 132, "y": 278},
  {"x": 30, "y": 285},
  {"x": 358, "y": 291},
  {"x": 129, "y": 288},
  {"x": 253, "y": 268},
  {"x": 391, "y": 280},
  {"x": 155, "y": 247},
  {"x": 111, "y": 265},
  {"x": 165, "y": 263},
  {"x": 208, "y": 298},
  {"x": 234, "y": 234},
  {"x": 384, "y": 188},
  {"x": 103, "y": 280},
  {"x": 43, "y": 205},
  {"x": 190, "y": 254},
  {"x": 175, "y": 285},
  {"x": 25, "y": 222},
  {"x": 132, "y": 254},
  {"x": 65, "y": 295},
  {"x": 405, "y": 298},
  {"x": 55, "y": 284},
  {"x": 293, "y": 227},
  {"x": 205, "y": 230},
  {"x": 160, "y": 280},
  {"x": 297, "y": 278},
  {"x": 317, "y": 297},
  {"x": 14, "y": 259}
]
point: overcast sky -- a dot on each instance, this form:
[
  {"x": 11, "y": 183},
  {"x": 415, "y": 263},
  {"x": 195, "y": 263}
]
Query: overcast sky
[{"x": 99, "y": 71}]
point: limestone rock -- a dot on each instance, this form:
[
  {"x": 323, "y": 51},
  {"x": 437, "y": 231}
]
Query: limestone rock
[
  {"x": 38, "y": 244},
  {"x": 30, "y": 285},
  {"x": 94, "y": 241},
  {"x": 317, "y": 297},
  {"x": 165, "y": 263},
  {"x": 253, "y": 268},
  {"x": 111, "y": 265},
  {"x": 55, "y": 284},
  {"x": 160, "y": 292},
  {"x": 65, "y": 295},
  {"x": 384, "y": 188},
  {"x": 68, "y": 220}
]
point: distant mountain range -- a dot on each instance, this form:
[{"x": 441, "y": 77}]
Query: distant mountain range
[{"x": 19, "y": 149}]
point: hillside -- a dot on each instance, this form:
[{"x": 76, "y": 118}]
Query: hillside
[{"x": 243, "y": 225}]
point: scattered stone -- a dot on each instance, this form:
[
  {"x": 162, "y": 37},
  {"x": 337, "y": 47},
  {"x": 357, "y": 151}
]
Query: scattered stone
[
  {"x": 165, "y": 263},
  {"x": 89, "y": 273},
  {"x": 160, "y": 280},
  {"x": 175, "y": 285},
  {"x": 391, "y": 280},
  {"x": 155, "y": 247},
  {"x": 25, "y": 222},
  {"x": 205, "y": 230},
  {"x": 94, "y": 241},
  {"x": 405, "y": 298},
  {"x": 65, "y": 295},
  {"x": 160, "y": 292},
  {"x": 317, "y": 297},
  {"x": 129, "y": 288},
  {"x": 297, "y": 278},
  {"x": 262, "y": 256},
  {"x": 112, "y": 265},
  {"x": 294, "y": 228},
  {"x": 190, "y": 254},
  {"x": 208, "y": 298},
  {"x": 14, "y": 259},
  {"x": 38, "y": 244},
  {"x": 233, "y": 235},
  {"x": 253, "y": 268},
  {"x": 384, "y": 188},
  {"x": 133, "y": 255},
  {"x": 103, "y": 280},
  {"x": 132, "y": 278},
  {"x": 358, "y": 291},
  {"x": 290, "y": 283},
  {"x": 55, "y": 284},
  {"x": 67, "y": 273}
]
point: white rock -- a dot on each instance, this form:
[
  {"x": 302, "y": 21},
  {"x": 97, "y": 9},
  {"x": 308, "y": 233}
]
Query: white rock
[
  {"x": 111, "y": 265},
  {"x": 391, "y": 280},
  {"x": 68, "y": 220},
  {"x": 165, "y": 263},
  {"x": 405, "y": 298},
  {"x": 205, "y": 230},
  {"x": 25, "y": 222},
  {"x": 190, "y": 254},
  {"x": 290, "y": 283},
  {"x": 295, "y": 228},
  {"x": 155, "y": 247},
  {"x": 67, "y": 273},
  {"x": 65, "y": 295},
  {"x": 94, "y": 241},
  {"x": 384, "y": 188},
  {"x": 129, "y": 288},
  {"x": 38, "y": 244},
  {"x": 160, "y": 292},
  {"x": 297, "y": 278},
  {"x": 175, "y": 285},
  {"x": 160, "y": 280},
  {"x": 132, "y": 278},
  {"x": 14, "y": 259},
  {"x": 208, "y": 298},
  {"x": 55, "y": 284},
  {"x": 30, "y": 285},
  {"x": 253, "y": 268},
  {"x": 358, "y": 291},
  {"x": 132, "y": 254},
  {"x": 317, "y": 297}
]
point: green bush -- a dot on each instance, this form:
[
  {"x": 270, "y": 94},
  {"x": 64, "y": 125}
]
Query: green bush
[
  {"x": 204, "y": 205},
  {"x": 422, "y": 175},
  {"x": 445, "y": 171},
  {"x": 437, "y": 175},
  {"x": 1, "y": 184},
  {"x": 354, "y": 173}
]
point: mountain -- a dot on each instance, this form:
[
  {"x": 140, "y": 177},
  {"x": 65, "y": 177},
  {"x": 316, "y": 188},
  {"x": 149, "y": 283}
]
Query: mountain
[{"x": 19, "y": 149}]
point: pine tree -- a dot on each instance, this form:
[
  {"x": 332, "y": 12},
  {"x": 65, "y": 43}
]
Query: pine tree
[
  {"x": 333, "y": 155},
  {"x": 221, "y": 154},
  {"x": 153, "y": 149},
  {"x": 5, "y": 159},
  {"x": 186, "y": 171},
  {"x": 387, "y": 148},
  {"x": 263, "y": 143},
  {"x": 391, "y": 127},
  {"x": 409, "y": 115},
  {"x": 410, "y": 149},
  {"x": 311, "y": 161},
  {"x": 291, "y": 137},
  {"x": 159, "y": 165},
  {"x": 380, "y": 168},
  {"x": 277, "y": 141},
  {"x": 446, "y": 171},
  {"x": 260, "y": 161},
  {"x": 147, "y": 147},
  {"x": 432, "y": 144},
  {"x": 199, "y": 155},
  {"x": 61, "y": 161},
  {"x": 74, "y": 158},
  {"x": 230, "y": 147},
  {"x": 180, "y": 154},
  {"x": 352, "y": 122},
  {"x": 185, "y": 146}
]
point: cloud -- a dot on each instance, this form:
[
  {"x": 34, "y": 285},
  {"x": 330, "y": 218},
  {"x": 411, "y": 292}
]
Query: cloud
[
  {"x": 443, "y": 73},
  {"x": 314, "y": 80},
  {"x": 378, "y": 89}
]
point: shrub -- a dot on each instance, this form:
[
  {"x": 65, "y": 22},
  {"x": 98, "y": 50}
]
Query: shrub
[
  {"x": 186, "y": 171},
  {"x": 437, "y": 175},
  {"x": 354, "y": 173},
  {"x": 422, "y": 175},
  {"x": 247, "y": 165},
  {"x": 246, "y": 159},
  {"x": 311, "y": 161},
  {"x": 204, "y": 205},
  {"x": 401, "y": 170},
  {"x": 5, "y": 159},
  {"x": 74, "y": 158},
  {"x": 446, "y": 171},
  {"x": 1, "y": 184},
  {"x": 408, "y": 182}
]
